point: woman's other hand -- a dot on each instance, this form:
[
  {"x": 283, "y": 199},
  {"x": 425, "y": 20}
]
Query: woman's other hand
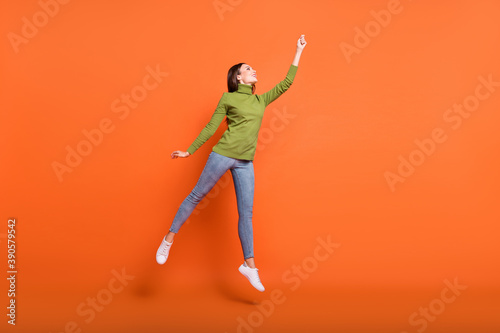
[{"x": 179, "y": 153}]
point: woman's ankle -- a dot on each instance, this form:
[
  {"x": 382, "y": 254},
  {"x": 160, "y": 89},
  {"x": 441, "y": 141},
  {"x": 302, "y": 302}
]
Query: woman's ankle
[
  {"x": 250, "y": 262},
  {"x": 170, "y": 237}
]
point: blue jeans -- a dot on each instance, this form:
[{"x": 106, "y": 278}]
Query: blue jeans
[{"x": 243, "y": 178}]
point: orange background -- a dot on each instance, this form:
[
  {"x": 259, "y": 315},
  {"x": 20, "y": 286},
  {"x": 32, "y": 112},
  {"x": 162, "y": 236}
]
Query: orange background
[{"x": 320, "y": 175}]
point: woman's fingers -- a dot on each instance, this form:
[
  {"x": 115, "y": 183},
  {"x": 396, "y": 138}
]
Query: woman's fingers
[
  {"x": 301, "y": 42},
  {"x": 303, "y": 39}
]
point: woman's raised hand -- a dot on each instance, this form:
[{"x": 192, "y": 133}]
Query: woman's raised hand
[
  {"x": 301, "y": 43},
  {"x": 179, "y": 153}
]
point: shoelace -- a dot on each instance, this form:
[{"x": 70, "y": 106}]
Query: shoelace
[
  {"x": 163, "y": 250},
  {"x": 257, "y": 277}
]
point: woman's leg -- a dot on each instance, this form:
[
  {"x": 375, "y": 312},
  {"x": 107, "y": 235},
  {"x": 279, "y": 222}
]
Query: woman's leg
[
  {"x": 244, "y": 179},
  {"x": 214, "y": 169}
]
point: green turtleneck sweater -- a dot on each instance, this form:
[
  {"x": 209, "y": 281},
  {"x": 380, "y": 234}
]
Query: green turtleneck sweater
[{"x": 244, "y": 112}]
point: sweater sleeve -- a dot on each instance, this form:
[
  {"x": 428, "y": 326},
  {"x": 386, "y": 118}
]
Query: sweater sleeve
[
  {"x": 281, "y": 87},
  {"x": 211, "y": 127}
]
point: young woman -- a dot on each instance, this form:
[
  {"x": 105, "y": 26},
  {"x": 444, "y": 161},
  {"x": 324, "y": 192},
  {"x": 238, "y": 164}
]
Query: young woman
[{"x": 234, "y": 151}]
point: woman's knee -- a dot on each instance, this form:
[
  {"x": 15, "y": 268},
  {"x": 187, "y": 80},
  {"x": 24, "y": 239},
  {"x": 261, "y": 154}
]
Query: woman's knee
[{"x": 195, "y": 196}]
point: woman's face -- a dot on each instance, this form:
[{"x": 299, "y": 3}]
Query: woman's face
[{"x": 247, "y": 75}]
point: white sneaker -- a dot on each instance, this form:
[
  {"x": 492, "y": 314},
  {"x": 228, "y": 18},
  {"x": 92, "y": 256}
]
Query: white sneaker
[
  {"x": 162, "y": 253},
  {"x": 252, "y": 274}
]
